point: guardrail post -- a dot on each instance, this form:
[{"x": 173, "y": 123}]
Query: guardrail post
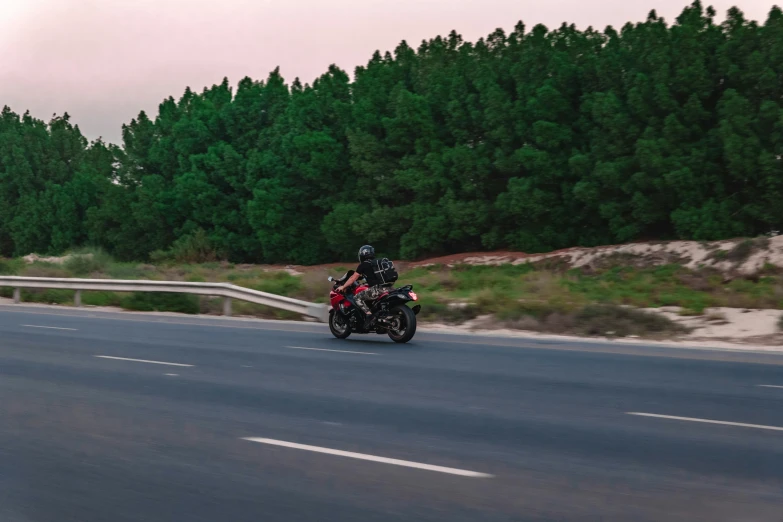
[
  {"x": 227, "y": 306},
  {"x": 17, "y": 295},
  {"x": 77, "y": 298}
]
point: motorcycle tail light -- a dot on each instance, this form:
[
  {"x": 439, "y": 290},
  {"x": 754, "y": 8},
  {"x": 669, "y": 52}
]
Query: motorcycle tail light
[{"x": 413, "y": 296}]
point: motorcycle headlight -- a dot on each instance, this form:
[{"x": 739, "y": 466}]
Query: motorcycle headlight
[{"x": 413, "y": 296}]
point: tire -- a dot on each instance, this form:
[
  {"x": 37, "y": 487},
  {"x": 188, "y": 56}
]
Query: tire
[
  {"x": 341, "y": 331},
  {"x": 407, "y": 327}
]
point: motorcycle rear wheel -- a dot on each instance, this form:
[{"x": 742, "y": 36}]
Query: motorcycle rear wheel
[{"x": 404, "y": 324}]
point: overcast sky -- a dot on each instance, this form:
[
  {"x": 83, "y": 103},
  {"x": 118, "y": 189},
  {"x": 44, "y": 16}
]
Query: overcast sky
[{"x": 104, "y": 60}]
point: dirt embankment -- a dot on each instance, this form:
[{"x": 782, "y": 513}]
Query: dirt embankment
[
  {"x": 718, "y": 291},
  {"x": 738, "y": 258},
  {"x": 742, "y": 256}
]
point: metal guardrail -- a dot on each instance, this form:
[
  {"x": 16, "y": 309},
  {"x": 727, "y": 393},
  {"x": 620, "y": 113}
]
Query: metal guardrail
[{"x": 224, "y": 290}]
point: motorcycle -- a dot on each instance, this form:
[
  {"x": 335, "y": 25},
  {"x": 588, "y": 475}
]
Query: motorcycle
[{"x": 393, "y": 317}]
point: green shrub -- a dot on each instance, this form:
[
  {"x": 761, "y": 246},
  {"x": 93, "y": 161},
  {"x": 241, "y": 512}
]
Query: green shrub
[
  {"x": 280, "y": 283},
  {"x": 622, "y": 322},
  {"x": 192, "y": 248},
  {"x": 161, "y": 302},
  {"x": 599, "y": 320},
  {"x": 503, "y": 277},
  {"x": 123, "y": 271},
  {"x": 102, "y": 299},
  {"x": 161, "y": 257},
  {"x": 44, "y": 270},
  {"x": 719, "y": 255},
  {"x": 449, "y": 313},
  {"x": 87, "y": 261},
  {"x": 47, "y": 296},
  {"x": 10, "y": 266},
  {"x": 741, "y": 251}
]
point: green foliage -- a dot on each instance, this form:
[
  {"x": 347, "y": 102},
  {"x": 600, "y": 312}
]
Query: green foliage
[
  {"x": 618, "y": 321},
  {"x": 48, "y": 296},
  {"x": 40, "y": 269},
  {"x": 669, "y": 285},
  {"x": 124, "y": 271},
  {"x": 741, "y": 252},
  {"x": 87, "y": 261},
  {"x": 192, "y": 248},
  {"x": 10, "y": 266},
  {"x": 102, "y": 299},
  {"x": 161, "y": 302},
  {"x": 535, "y": 139},
  {"x": 280, "y": 283},
  {"x": 494, "y": 278}
]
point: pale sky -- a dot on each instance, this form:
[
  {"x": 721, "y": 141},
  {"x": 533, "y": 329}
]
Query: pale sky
[{"x": 103, "y": 61}]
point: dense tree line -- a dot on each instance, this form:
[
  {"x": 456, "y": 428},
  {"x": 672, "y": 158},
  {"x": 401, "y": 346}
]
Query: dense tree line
[{"x": 534, "y": 140}]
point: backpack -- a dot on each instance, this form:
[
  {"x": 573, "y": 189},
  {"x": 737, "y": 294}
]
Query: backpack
[{"x": 384, "y": 271}]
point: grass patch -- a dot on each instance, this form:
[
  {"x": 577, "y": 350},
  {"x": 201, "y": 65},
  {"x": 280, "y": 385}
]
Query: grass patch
[
  {"x": 47, "y": 296},
  {"x": 87, "y": 261},
  {"x": 111, "y": 299},
  {"x": 9, "y": 267},
  {"x": 504, "y": 278},
  {"x": 620, "y": 321},
  {"x": 280, "y": 283},
  {"x": 601, "y": 320},
  {"x": 161, "y": 302},
  {"x": 436, "y": 310},
  {"x": 44, "y": 270},
  {"x": 129, "y": 271},
  {"x": 668, "y": 285},
  {"x": 740, "y": 252},
  {"x": 196, "y": 247}
]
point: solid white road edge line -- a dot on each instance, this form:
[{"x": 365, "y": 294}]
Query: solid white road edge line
[
  {"x": 372, "y": 458},
  {"x": 325, "y": 350},
  {"x": 768, "y": 386},
  {"x": 707, "y": 421},
  {"x": 142, "y": 361},
  {"x": 48, "y": 327}
]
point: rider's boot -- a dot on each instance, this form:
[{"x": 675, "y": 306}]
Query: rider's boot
[{"x": 369, "y": 321}]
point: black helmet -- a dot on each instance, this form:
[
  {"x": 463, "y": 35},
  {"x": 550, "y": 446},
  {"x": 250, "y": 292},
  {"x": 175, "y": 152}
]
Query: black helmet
[{"x": 366, "y": 252}]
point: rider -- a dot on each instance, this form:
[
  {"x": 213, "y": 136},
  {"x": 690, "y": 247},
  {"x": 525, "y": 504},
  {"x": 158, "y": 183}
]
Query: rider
[{"x": 376, "y": 288}]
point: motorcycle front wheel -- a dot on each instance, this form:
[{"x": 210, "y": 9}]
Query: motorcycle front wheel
[
  {"x": 339, "y": 325},
  {"x": 403, "y": 324}
]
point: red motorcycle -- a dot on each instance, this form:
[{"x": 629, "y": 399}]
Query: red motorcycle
[{"x": 392, "y": 314}]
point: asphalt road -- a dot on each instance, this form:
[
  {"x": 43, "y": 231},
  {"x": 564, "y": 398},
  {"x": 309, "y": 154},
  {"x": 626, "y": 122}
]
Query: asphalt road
[{"x": 479, "y": 429}]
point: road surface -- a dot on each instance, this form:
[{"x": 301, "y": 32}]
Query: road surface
[{"x": 112, "y": 417}]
